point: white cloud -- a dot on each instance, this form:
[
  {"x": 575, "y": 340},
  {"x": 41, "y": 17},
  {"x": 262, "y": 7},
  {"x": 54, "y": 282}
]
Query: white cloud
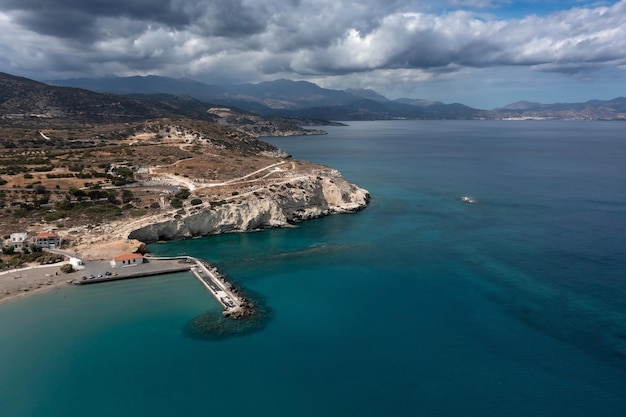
[{"x": 323, "y": 40}]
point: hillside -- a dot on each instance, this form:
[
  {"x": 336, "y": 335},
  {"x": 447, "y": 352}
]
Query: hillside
[
  {"x": 301, "y": 99},
  {"x": 28, "y": 103},
  {"x": 25, "y": 102},
  {"x": 297, "y": 99},
  {"x": 97, "y": 176},
  {"x": 591, "y": 110}
]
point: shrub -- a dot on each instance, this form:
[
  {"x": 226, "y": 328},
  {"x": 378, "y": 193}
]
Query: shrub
[
  {"x": 155, "y": 205},
  {"x": 176, "y": 203},
  {"x": 67, "y": 268},
  {"x": 196, "y": 201},
  {"x": 127, "y": 196},
  {"x": 21, "y": 213},
  {"x": 182, "y": 194},
  {"x": 55, "y": 215}
]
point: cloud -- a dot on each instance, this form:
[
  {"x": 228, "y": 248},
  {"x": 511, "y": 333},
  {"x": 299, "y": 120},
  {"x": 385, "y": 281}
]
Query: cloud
[
  {"x": 248, "y": 40},
  {"x": 558, "y": 42}
]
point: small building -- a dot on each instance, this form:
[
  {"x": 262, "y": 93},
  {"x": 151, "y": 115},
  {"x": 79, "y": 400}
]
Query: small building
[
  {"x": 127, "y": 259},
  {"x": 48, "y": 240},
  {"x": 77, "y": 263},
  {"x": 18, "y": 240}
]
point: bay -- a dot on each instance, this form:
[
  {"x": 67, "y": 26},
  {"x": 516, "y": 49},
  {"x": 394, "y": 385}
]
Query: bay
[{"x": 419, "y": 305}]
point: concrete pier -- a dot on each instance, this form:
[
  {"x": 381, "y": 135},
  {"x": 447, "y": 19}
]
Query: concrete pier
[
  {"x": 234, "y": 305},
  {"x": 101, "y": 271}
]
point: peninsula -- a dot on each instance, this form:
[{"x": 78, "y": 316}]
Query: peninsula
[{"x": 109, "y": 187}]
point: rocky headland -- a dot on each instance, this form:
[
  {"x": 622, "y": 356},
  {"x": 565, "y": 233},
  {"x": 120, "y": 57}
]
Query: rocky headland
[
  {"x": 147, "y": 170},
  {"x": 315, "y": 194}
]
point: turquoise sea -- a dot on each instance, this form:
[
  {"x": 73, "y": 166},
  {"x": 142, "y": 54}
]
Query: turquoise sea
[{"x": 420, "y": 305}]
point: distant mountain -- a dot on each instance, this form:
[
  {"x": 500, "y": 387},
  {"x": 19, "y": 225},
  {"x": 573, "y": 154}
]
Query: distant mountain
[
  {"x": 357, "y": 110},
  {"x": 286, "y": 94},
  {"x": 280, "y": 97},
  {"x": 521, "y": 105},
  {"x": 151, "y": 84},
  {"x": 265, "y": 97},
  {"x": 366, "y": 93},
  {"x": 30, "y": 104},
  {"x": 25, "y": 100},
  {"x": 419, "y": 102},
  {"x": 307, "y": 100},
  {"x": 590, "y": 110}
]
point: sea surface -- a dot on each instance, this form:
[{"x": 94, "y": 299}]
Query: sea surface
[{"x": 420, "y": 305}]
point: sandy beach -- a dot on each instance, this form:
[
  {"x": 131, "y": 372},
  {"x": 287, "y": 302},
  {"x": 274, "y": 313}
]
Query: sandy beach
[{"x": 17, "y": 283}]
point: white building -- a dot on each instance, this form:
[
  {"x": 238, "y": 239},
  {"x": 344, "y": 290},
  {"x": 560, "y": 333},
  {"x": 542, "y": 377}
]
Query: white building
[
  {"x": 17, "y": 240},
  {"x": 127, "y": 259}
]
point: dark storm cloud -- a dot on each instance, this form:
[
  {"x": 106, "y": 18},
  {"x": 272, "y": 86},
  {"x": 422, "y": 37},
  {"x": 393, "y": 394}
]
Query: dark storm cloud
[
  {"x": 79, "y": 18},
  {"x": 253, "y": 40}
]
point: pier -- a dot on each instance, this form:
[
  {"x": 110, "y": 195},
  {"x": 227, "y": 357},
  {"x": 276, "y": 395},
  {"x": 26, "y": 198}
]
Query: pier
[
  {"x": 235, "y": 306},
  {"x": 100, "y": 271},
  {"x": 225, "y": 293}
]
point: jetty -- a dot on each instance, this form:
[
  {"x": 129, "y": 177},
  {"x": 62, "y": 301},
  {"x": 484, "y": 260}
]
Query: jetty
[{"x": 235, "y": 305}]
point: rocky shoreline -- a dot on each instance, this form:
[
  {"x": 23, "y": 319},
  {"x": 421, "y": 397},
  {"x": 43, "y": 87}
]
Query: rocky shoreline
[
  {"x": 299, "y": 199},
  {"x": 290, "y": 200}
]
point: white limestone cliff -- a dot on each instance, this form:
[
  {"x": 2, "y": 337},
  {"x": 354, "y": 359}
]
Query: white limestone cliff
[{"x": 283, "y": 204}]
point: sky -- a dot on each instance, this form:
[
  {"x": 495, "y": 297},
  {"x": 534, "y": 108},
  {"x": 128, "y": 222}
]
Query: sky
[{"x": 482, "y": 53}]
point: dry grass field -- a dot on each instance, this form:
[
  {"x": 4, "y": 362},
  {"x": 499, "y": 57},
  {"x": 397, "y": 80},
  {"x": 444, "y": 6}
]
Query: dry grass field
[{"x": 72, "y": 179}]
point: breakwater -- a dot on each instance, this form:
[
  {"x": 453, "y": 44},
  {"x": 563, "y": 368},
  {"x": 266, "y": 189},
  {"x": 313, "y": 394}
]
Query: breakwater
[{"x": 235, "y": 305}]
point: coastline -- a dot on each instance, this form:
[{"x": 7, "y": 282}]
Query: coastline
[
  {"x": 317, "y": 194},
  {"x": 27, "y": 281},
  {"x": 23, "y": 282}
]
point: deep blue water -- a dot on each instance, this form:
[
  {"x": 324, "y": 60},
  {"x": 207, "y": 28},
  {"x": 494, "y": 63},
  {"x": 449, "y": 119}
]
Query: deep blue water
[{"x": 420, "y": 305}]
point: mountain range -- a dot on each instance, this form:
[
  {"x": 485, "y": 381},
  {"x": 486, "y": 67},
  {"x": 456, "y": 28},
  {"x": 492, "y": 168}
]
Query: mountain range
[
  {"x": 29, "y": 103},
  {"x": 156, "y": 96},
  {"x": 25, "y": 100},
  {"x": 301, "y": 99}
]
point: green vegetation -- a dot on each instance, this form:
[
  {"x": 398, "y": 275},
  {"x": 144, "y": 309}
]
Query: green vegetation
[
  {"x": 124, "y": 175},
  {"x": 182, "y": 194},
  {"x": 12, "y": 258},
  {"x": 176, "y": 203},
  {"x": 54, "y": 216},
  {"x": 138, "y": 213}
]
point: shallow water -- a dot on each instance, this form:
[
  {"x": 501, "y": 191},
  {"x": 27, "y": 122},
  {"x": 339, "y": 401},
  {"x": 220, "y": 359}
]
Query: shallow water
[{"x": 419, "y": 305}]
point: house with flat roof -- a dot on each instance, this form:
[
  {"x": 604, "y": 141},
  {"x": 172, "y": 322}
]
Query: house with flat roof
[
  {"x": 18, "y": 240},
  {"x": 47, "y": 240},
  {"x": 127, "y": 259}
]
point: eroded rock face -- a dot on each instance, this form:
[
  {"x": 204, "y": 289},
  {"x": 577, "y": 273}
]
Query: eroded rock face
[{"x": 281, "y": 205}]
